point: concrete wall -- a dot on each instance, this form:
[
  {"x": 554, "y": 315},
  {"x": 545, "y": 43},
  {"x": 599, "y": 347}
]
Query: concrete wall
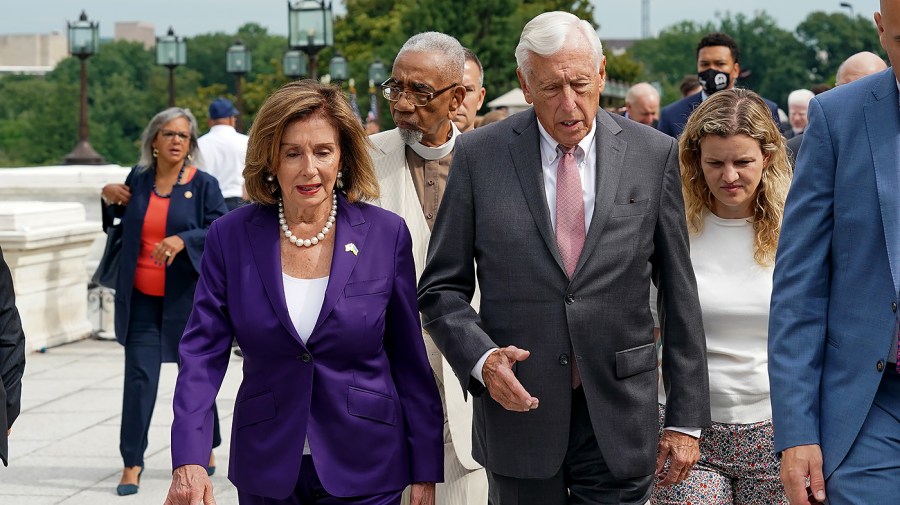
[{"x": 33, "y": 50}]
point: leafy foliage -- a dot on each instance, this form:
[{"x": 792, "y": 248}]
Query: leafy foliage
[{"x": 39, "y": 115}]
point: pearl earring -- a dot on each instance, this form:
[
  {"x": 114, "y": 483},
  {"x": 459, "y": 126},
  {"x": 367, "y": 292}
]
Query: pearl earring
[
  {"x": 155, "y": 152},
  {"x": 340, "y": 180},
  {"x": 270, "y": 178}
]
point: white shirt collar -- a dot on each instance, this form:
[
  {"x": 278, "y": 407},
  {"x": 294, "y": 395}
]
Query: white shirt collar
[
  {"x": 549, "y": 144},
  {"x": 436, "y": 153}
]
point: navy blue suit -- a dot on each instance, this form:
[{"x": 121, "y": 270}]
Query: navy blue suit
[
  {"x": 673, "y": 117},
  {"x": 834, "y": 300},
  {"x": 150, "y": 327}
]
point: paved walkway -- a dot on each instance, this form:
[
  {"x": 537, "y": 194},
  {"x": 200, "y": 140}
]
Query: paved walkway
[{"x": 64, "y": 447}]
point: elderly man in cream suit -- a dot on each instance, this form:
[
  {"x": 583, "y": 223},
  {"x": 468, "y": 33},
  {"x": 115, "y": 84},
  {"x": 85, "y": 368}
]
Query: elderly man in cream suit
[{"x": 412, "y": 162}]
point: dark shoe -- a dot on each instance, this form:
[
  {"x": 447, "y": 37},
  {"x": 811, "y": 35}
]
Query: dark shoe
[
  {"x": 129, "y": 489},
  {"x": 210, "y": 471},
  {"x": 238, "y": 352}
]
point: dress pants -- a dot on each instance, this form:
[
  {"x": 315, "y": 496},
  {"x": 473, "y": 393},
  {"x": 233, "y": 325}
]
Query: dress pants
[
  {"x": 870, "y": 473},
  {"x": 309, "y": 491},
  {"x": 461, "y": 486},
  {"x": 583, "y": 479},
  {"x": 143, "y": 359}
]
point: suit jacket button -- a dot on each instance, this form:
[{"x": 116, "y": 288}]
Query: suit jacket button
[
  {"x": 880, "y": 365},
  {"x": 894, "y": 306},
  {"x": 563, "y": 359},
  {"x": 570, "y": 299},
  {"x": 305, "y": 357}
]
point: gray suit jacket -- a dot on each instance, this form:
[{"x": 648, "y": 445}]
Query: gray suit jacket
[{"x": 495, "y": 212}]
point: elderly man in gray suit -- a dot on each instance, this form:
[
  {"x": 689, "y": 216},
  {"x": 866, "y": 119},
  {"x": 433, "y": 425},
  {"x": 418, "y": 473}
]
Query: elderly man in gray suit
[
  {"x": 569, "y": 212},
  {"x": 412, "y": 161}
]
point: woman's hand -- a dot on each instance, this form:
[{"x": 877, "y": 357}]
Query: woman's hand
[
  {"x": 118, "y": 194},
  {"x": 421, "y": 493},
  {"x": 191, "y": 486},
  {"x": 165, "y": 251}
]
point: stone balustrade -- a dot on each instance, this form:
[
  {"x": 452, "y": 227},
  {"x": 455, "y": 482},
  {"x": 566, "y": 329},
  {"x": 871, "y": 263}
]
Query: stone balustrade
[{"x": 52, "y": 239}]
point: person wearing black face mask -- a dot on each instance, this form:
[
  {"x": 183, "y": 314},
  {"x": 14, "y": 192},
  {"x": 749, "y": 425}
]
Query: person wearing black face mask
[{"x": 718, "y": 67}]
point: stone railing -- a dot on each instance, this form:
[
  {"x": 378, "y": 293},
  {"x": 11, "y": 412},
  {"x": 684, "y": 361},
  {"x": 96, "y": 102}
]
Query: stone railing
[{"x": 52, "y": 240}]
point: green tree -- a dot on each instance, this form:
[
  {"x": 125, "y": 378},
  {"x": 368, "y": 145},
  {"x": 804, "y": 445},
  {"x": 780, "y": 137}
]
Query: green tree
[
  {"x": 491, "y": 28},
  {"x": 833, "y": 37},
  {"x": 773, "y": 58}
]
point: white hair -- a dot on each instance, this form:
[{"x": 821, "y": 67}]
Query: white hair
[
  {"x": 641, "y": 89},
  {"x": 452, "y": 57},
  {"x": 800, "y": 97},
  {"x": 547, "y": 33}
]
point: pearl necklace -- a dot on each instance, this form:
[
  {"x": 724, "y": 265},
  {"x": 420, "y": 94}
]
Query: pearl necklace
[{"x": 309, "y": 242}]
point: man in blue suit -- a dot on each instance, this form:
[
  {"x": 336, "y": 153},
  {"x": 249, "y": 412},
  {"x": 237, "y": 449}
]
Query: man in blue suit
[
  {"x": 718, "y": 67},
  {"x": 833, "y": 327}
]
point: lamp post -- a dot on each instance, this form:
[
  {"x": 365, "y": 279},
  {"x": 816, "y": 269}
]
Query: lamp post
[
  {"x": 848, "y": 5},
  {"x": 84, "y": 42},
  {"x": 377, "y": 75},
  {"x": 338, "y": 69},
  {"x": 171, "y": 51},
  {"x": 310, "y": 28},
  {"x": 238, "y": 63},
  {"x": 294, "y": 64}
]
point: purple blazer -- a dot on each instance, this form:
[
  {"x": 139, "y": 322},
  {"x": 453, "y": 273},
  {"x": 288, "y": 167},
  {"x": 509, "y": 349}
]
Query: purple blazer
[{"x": 361, "y": 388}]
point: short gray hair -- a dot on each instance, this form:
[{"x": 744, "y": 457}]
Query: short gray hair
[
  {"x": 800, "y": 97},
  {"x": 451, "y": 63},
  {"x": 547, "y": 33},
  {"x": 641, "y": 89},
  {"x": 147, "y": 160}
]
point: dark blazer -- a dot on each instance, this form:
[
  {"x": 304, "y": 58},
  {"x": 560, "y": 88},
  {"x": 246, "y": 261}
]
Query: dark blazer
[
  {"x": 361, "y": 387},
  {"x": 793, "y": 145},
  {"x": 674, "y": 116},
  {"x": 495, "y": 213},
  {"x": 192, "y": 208},
  {"x": 12, "y": 357},
  {"x": 837, "y": 273}
]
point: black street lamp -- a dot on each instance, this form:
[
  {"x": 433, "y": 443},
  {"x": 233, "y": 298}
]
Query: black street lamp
[
  {"x": 377, "y": 75},
  {"x": 238, "y": 63},
  {"x": 294, "y": 64},
  {"x": 171, "y": 51},
  {"x": 310, "y": 28},
  {"x": 849, "y": 6},
  {"x": 84, "y": 41},
  {"x": 338, "y": 69}
]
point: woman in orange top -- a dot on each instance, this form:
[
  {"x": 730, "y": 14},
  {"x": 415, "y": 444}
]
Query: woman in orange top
[{"x": 166, "y": 206}]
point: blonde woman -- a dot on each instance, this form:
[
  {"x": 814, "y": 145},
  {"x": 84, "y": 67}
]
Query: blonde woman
[{"x": 735, "y": 177}]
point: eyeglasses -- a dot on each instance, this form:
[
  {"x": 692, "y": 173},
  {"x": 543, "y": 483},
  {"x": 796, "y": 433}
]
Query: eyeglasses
[
  {"x": 416, "y": 98},
  {"x": 169, "y": 135}
]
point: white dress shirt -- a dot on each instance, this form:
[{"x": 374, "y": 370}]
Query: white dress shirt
[{"x": 223, "y": 152}]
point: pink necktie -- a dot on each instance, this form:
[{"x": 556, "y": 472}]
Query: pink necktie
[{"x": 569, "y": 223}]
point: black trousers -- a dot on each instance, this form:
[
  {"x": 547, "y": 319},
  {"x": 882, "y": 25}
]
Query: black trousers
[
  {"x": 143, "y": 359},
  {"x": 309, "y": 491},
  {"x": 583, "y": 478}
]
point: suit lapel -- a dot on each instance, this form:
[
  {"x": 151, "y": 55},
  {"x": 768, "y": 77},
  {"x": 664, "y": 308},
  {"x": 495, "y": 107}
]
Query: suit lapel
[
  {"x": 351, "y": 228},
  {"x": 883, "y": 125},
  {"x": 398, "y": 194},
  {"x": 610, "y": 154},
  {"x": 263, "y": 234},
  {"x": 525, "y": 151}
]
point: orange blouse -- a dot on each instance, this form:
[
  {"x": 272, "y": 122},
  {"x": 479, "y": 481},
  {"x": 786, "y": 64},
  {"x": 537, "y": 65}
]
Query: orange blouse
[{"x": 150, "y": 277}]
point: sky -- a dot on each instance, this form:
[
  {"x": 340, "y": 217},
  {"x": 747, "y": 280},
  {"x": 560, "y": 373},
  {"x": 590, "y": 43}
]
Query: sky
[{"x": 617, "y": 18}]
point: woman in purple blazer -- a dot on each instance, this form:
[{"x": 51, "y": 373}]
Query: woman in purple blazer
[{"x": 338, "y": 403}]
